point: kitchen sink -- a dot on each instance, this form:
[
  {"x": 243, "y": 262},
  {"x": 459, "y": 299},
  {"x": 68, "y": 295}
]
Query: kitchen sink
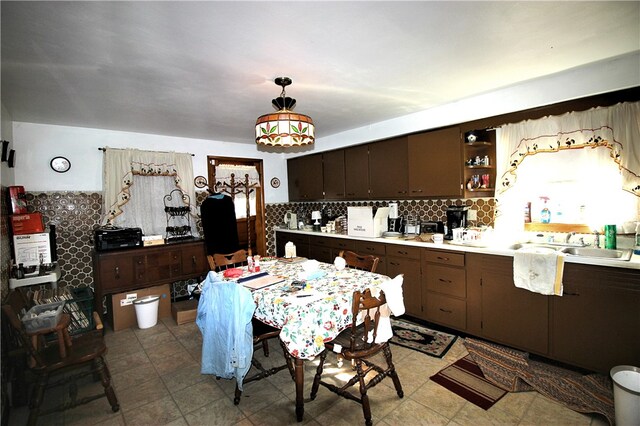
[
  {"x": 624, "y": 254},
  {"x": 518, "y": 246}
]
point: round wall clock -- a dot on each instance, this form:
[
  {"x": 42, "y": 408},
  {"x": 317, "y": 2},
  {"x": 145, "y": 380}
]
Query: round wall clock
[
  {"x": 200, "y": 181},
  {"x": 60, "y": 164},
  {"x": 275, "y": 182}
]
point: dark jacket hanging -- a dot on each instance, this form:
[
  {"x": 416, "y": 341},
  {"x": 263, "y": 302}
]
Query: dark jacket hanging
[{"x": 219, "y": 224}]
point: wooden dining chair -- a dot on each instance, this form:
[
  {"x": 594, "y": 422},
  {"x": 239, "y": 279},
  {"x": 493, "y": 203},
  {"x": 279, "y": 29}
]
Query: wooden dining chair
[
  {"x": 358, "y": 344},
  {"x": 76, "y": 358},
  {"x": 363, "y": 262},
  {"x": 219, "y": 261}
]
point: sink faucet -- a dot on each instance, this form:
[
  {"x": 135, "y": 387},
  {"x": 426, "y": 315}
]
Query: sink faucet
[
  {"x": 569, "y": 235},
  {"x": 596, "y": 239}
]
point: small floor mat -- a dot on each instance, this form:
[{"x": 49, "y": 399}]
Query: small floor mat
[
  {"x": 423, "y": 339},
  {"x": 464, "y": 378}
]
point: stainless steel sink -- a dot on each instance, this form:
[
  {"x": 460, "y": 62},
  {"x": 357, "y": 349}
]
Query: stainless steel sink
[
  {"x": 518, "y": 246},
  {"x": 624, "y": 254}
]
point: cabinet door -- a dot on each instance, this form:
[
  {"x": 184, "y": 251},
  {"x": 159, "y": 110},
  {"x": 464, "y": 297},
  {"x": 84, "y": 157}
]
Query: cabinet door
[
  {"x": 305, "y": 178},
  {"x": 388, "y": 168},
  {"x": 411, "y": 287},
  {"x": 511, "y": 315},
  {"x": 301, "y": 242},
  {"x": 596, "y": 322},
  {"x": 194, "y": 260},
  {"x": 356, "y": 172},
  {"x": 116, "y": 272},
  {"x": 435, "y": 163},
  {"x": 333, "y": 175}
]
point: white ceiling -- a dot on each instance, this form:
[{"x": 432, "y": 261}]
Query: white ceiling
[{"x": 206, "y": 69}]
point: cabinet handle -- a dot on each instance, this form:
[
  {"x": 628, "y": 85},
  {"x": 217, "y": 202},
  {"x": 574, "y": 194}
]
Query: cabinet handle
[
  {"x": 446, "y": 311},
  {"x": 446, "y": 259},
  {"x": 339, "y": 194},
  {"x": 402, "y": 192},
  {"x": 117, "y": 271},
  {"x": 395, "y": 264},
  {"x": 570, "y": 294},
  {"x": 351, "y": 193},
  {"x": 444, "y": 281},
  {"x": 175, "y": 257},
  {"x": 403, "y": 252},
  {"x": 193, "y": 260},
  {"x": 416, "y": 190},
  {"x": 369, "y": 248}
]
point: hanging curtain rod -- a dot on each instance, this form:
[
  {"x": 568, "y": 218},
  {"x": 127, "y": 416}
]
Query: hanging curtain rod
[{"x": 104, "y": 149}]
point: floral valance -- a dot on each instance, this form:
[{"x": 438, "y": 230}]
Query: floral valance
[
  {"x": 240, "y": 173},
  {"x": 615, "y": 128}
]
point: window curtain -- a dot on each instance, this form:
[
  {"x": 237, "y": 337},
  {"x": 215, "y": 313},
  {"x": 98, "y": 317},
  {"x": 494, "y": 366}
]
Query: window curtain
[
  {"x": 135, "y": 183},
  {"x": 232, "y": 179},
  {"x": 580, "y": 147}
]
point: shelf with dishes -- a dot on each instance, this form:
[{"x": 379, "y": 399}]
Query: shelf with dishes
[{"x": 479, "y": 171}]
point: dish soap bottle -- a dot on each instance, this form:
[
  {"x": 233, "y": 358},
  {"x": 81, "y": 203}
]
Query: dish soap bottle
[
  {"x": 636, "y": 247},
  {"x": 545, "y": 213}
]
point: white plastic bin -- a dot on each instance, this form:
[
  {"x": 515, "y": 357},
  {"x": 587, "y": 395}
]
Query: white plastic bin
[
  {"x": 626, "y": 394},
  {"x": 147, "y": 310}
]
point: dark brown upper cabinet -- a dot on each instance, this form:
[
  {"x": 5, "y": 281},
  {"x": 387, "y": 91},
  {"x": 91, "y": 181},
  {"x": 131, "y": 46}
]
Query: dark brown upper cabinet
[
  {"x": 388, "y": 169},
  {"x": 305, "y": 178},
  {"x": 334, "y": 175},
  {"x": 435, "y": 166},
  {"x": 356, "y": 172}
]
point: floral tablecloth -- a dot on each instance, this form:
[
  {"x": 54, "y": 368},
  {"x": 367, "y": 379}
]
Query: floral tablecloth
[{"x": 318, "y": 313}]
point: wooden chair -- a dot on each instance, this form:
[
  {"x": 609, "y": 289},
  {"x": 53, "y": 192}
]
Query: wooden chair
[
  {"x": 354, "y": 345},
  {"x": 218, "y": 262},
  {"x": 68, "y": 355},
  {"x": 364, "y": 262}
]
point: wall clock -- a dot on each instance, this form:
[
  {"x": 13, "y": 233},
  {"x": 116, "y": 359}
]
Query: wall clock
[
  {"x": 275, "y": 182},
  {"x": 200, "y": 181},
  {"x": 60, "y": 164}
]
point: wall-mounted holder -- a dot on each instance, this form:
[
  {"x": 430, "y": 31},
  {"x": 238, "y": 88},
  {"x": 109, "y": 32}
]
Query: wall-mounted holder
[
  {"x": 12, "y": 158},
  {"x": 5, "y": 150}
]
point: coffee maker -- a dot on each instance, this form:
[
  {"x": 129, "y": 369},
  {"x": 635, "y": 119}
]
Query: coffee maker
[
  {"x": 395, "y": 221},
  {"x": 456, "y": 218}
]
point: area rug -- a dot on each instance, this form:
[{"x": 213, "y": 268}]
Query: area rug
[
  {"x": 464, "y": 378},
  {"x": 514, "y": 371},
  {"x": 423, "y": 339}
]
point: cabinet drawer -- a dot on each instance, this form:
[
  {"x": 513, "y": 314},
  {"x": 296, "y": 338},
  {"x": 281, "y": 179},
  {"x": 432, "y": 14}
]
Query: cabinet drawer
[
  {"x": 403, "y": 251},
  {"x": 444, "y": 257},
  {"x": 446, "y": 310},
  {"x": 343, "y": 244},
  {"x": 446, "y": 280},
  {"x": 321, "y": 241},
  {"x": 366, "y": 247}
]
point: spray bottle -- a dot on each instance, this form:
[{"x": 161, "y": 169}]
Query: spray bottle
[{"x": 545, "y": 213}]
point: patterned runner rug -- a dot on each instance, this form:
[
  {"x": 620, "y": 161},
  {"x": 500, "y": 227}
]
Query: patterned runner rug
[
  {"x": 423, "y": 339},
  {"x": 464, "y": 378}
]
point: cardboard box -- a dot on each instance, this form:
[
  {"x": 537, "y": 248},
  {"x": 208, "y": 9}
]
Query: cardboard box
[
  {"x": 122, "y": 313},
  {"x": 30, "y": 248},
  {"x": 30, "y": 223},
  {"x": 184, "y": 311},
  {"x": 362, "y": 222}
]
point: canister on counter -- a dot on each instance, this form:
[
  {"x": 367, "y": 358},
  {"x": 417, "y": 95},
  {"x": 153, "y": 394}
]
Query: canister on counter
[{"x": 610, "y": 237}]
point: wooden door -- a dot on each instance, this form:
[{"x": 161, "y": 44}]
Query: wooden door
[
  {"x": 388, "y": 169},
  {"x": 305, "y": 178}
]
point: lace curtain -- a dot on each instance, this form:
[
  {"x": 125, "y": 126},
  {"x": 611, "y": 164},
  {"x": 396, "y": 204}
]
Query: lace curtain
[
  {"x": 577, "y": 160},
  {"x": 135, "y": 183},
  {"x": 236, "y": 189}
]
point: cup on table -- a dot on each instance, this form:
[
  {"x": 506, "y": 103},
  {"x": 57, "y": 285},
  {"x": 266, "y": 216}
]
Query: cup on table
[
  {"x": 437, "y": 238},
  {"x": 339, "y": 263}
]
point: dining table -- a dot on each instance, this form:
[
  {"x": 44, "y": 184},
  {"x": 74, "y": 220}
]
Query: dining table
[{"x": 310, "y": 308}]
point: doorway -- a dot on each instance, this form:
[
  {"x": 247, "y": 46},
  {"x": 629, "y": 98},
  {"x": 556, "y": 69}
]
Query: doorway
[{"x": 249, "y": 220}]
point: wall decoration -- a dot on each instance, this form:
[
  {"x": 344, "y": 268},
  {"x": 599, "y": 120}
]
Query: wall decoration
[
  {"x": 60, "y": 164},
  {"x": 275, "y": 182}
]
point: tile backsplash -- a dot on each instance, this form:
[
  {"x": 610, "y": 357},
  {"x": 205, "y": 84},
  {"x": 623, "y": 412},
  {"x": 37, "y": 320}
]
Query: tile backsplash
[{"x": 77, "y": 214}]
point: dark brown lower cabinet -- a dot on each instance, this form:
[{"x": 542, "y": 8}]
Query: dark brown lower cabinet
[
  {"x": 406, "y": 260},
  {"x": 511, "y": 315},
  {"x": 596, "y": 323}
]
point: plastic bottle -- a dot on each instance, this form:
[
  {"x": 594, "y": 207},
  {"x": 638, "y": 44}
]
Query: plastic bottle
[
  {"x": 250, "y": 266},
  {"x": 636, "y": 247},
  {"x": 610, "y": 237},
  {"x": 545, "y": 213}
]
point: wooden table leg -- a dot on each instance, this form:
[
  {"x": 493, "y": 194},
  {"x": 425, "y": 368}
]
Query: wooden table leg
[{"x": 299, "y": 388}]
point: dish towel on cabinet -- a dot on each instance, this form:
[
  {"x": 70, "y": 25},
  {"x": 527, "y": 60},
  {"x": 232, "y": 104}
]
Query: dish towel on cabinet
[{"x": 538, "y": 270}]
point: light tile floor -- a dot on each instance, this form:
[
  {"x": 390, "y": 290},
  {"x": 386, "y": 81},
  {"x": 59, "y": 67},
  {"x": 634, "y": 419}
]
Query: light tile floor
[{"x": 156, "y": 375}]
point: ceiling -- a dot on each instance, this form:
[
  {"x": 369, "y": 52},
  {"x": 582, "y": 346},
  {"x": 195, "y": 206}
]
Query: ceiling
[{"x": 206, "y": 69}]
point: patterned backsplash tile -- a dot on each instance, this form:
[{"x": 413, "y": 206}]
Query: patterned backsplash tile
[{"x": 77, "y": 214}]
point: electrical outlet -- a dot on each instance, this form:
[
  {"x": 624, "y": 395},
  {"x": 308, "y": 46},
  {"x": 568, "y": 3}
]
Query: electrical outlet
[{"x": 472, "y": 214}]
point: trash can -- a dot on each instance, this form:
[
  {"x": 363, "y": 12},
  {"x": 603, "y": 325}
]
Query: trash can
[
  {"x": 626, "y": 394},
  {"x": 147, "y": 310}
]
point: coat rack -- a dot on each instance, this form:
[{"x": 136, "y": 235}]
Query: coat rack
[{"x": 232, "y": 188}]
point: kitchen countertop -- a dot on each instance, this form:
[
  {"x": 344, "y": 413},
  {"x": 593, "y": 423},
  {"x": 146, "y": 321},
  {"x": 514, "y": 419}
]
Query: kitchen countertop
[{"x": 498, "y": 249}]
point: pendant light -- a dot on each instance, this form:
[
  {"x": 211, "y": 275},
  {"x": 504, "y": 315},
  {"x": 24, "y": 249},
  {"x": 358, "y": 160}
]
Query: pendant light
[{"x": 284, "y": 128}]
